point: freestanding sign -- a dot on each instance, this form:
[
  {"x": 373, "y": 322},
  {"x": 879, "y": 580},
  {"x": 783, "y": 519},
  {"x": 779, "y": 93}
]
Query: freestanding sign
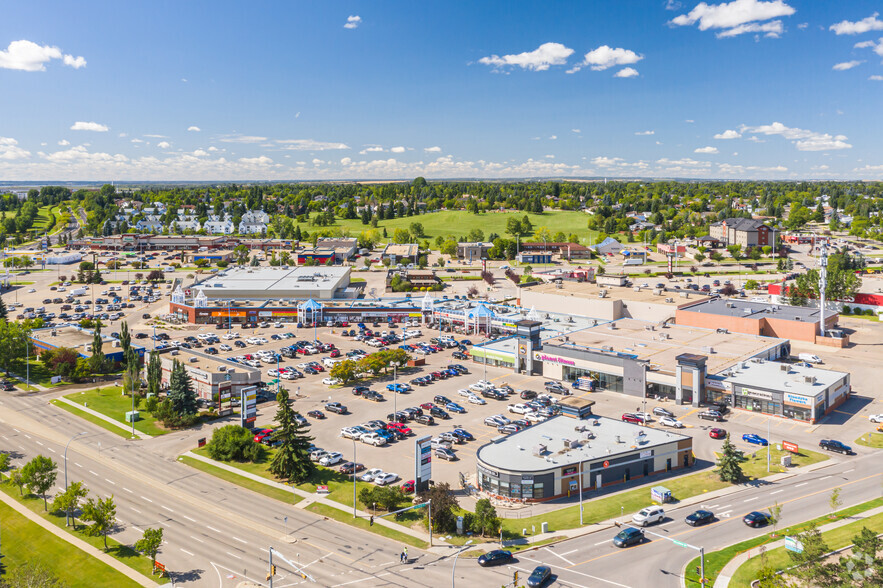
[
  {"x": 249, "y": 407},
  {"x": 789, "y": 446},
  {"x": 793, "y": 544},
  {"x": 422, "y": 463}
]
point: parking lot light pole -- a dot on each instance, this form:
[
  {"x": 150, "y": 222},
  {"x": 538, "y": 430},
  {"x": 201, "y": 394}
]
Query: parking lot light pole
[
  {"x": 456, "y": 555},
  {"x": 395, "y": 386},
  {"x": 354, "y": 478},
  {"x": 65, "y": 464}
]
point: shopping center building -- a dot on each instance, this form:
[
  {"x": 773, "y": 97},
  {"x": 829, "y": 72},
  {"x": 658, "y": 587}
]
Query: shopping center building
[{"x": 577, "y": 451}]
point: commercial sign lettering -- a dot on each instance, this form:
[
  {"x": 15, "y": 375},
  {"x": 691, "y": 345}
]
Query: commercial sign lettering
[
  {"x": 422, "y": 463},
  {"x": 646, "y": 454},
  {"x": 553, "y": 359},
  {"x": 249, "y": 407},
  {"x": 569, "y": 471},
  {"x": 606, "y": 464},
  {"x": 762, "y": 394},
  {"x": 788, "y": 446},
  {"x": 795, "y": 399}
]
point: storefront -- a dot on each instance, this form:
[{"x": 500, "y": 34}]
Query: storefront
[{"x": 494, "y": 357}]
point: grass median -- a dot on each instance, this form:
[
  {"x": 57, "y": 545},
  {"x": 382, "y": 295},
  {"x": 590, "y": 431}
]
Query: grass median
[
  {"x": 260, "y": 488},
  {"x": 110, "y": 402},
  {"x": 92, "y": 419},
  {"x": 343, "y": 517},
  {"x": 716, "y": 561},
  {"x": 778, "y": 558},
  {"x": 874, "y": 440},
  {"x": 116, "y": 550}
]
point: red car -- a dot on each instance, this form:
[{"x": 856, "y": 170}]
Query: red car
[
  {"x": 427, "y": 406},
  {"x": 262, "y": 434},
  {"x": 632, "y": 418},
  {"x": 334, "y": 353},
  {"x": 316, "y": 414},
  {"x": 408, "y": 487},
  {"x": 400, "y": 427},
  {"x": 717, "y": 433}
]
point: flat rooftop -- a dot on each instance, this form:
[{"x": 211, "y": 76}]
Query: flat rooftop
[
  {"x": 754, "y": 310},
  {"x": 637, "y": 293},
  {"x": 770, "y": 374},
  {"x": 77, "y": 338},
  {"x": 270, "y": 281},
  {"x": 516, "y": 452},
  {"x": 207, "y": 363},
  {"x": 554, "y": 323},
  {"x": 661, "y": 345}
]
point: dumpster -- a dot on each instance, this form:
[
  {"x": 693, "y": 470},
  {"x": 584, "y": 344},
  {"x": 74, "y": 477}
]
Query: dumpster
[{"x": 660, "y": 494}]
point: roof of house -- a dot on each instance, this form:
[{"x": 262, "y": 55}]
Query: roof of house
[{"x": 741, "y": 224}]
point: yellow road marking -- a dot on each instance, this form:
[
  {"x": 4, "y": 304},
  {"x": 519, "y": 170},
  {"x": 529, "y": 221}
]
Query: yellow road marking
[{"x": 691, "y": 412}]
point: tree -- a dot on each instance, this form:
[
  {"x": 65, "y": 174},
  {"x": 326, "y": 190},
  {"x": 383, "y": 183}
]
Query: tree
[
  {"x": 39, "y": 475},
  {"x": 96, "y": 361},
  {"x": 444, "y": 504},
  {"x": 61, "y": 361},
  {"x": 69, "y": 500},
  {"x": 864, "y": 568},
  {"x": 156, "y": 276},
  {"x": 835, "y": 501},
  {"x": 150, "y": 543},
  {"x": 30, "y": 574},
  {"x": 125, "y": 339},
  {"x": 842, "y": 282},
  {"x": 416, "y": 229},
  {"x": 4, "y": 312},
  {"x": 292, "y": 459},
  {"x": 17, "y": 478},
  {"x": 751, "y": 285},
  {"x": 728, "y": 464},
  {"x": 154, "y": 375},
  {"x": 809, "y": 565},
  {"x": 234, "y": 443},
  {"x": 181, "y": 391},
  {"x": 775, "y": 515},
  {"x": 345, "y": 370},
  {"x": 486, "y": 521},
  {"x": 102, "y": 514},
  {"x": 4, "y": 461}
]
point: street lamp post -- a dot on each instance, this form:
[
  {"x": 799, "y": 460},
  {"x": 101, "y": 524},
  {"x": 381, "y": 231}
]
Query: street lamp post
[
  {"x": 454, "y": 568},
  {"x": 354, "y": 478},
  {"x": 580, "y": 493},
  {"x": 65, "y": 465},
  {"x": 395, "y": 386}
]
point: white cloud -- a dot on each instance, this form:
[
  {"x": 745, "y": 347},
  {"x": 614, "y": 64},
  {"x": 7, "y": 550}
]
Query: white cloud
[
  {"x": 626, "y": 72},
  {"x": 876, "y": 78},
  {"x": 122, "y": 135},
  {"x": 845, "y": 27},
  {"x": 397, "y": 149},
  {"x": 728, "y": 134},
  {"x": 673, "y": 5},
  {"x": 553, "y": 137},
  {"x": 877, "y": 47},
  {"x": 89, "y": 126},
  {"x": 261, "y": 161},
  {"x": 137, "y": 140},
  {"x": 242, "y": 139},
  {"x": 371, "y": 149},
  {"x": 689, "y": 120},
  {"x": 163, "y": 144},
  {"x": 184, "y": 80},
  {"x": 353, "y": 22},
  {"x": 345, "y": 161},
  {"x": 685, "y": 162},
  {"x": 804, "y": 140},
  {"x": 737, "y": 17},
  {"x": 577, "y": 131},
  {"x": 549, "y": 156},
  {"x": 605, "y": 57},
  {"x": 28, "y": 56},
  {"x": 708, "y": 149},
  {"x": 435, "y": 149},
  {"x": 310, "y": 145},
  {"x": 195, "y": 129},
  {"x": 157, "y": 136},
  {"x": 864, "y": 45},
  {"x": 645, "y": 133},
  {"x": 846, "y": 65},
  {"x": 803, "y": 25},
  {"x": 540, "y": 59},
  {"x": 317, "y": 161},
  {"x": 64, "y": 142},
  {"x": 10, "y": 150}
]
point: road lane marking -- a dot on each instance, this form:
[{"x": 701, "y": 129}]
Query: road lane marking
[
  {"x": 145, "y": 498},
  {"x": 127, "y": 490},
  {"x": 212, "y": 529},
  {"x": 602, "y": 542},
  {"x": 28, "y": 436},
  {"x": 233, "y": 555},
  {"x": 569, "y": 552},
  {"x": 801, "y": 484},
  {"x": 238, "y": 539},
  {"x": 567, "y": 561},
  {"x": 93, "y": 473},
  {"x": 185, "y": 551},
  {"x": 50, "y": 449},
  {"x": 777, "y": 491},
  {"x": 78, "y": 465},
  {"x": 850, "y": 470},
  {"x": 110, "y": 481},
  {"x": 197, "y": 538},
  {"x": 189, "y": 519},
  {"x": 137, "y": 529},
  {"x": 135, "y": 509},
  {"x": 825, "y": 478},
  {"x": 166, "y": 508},
  {"x": 727, "y": 506},
  {"x": 751, "y": 499},
  {"x": 38, "y": 443},
  {"x": 600, "y": 579},
  {"x": 712, "y": 506}
]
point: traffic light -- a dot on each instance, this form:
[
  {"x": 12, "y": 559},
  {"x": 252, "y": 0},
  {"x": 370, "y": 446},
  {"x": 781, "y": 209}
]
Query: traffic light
[
  {"x": 371, "y": 522},
  {"x": 515, "y": 577},
  {"x": 617, "y": 523},
  {"x": 272, "y": 572}
]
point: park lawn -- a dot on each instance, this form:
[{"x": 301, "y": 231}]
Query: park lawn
[
  {"x": 717, "y": 560},
  {"x": 778, "y": 558},
  {"x": 270, "y": 491},
  {"x": 755, "y": 466},
  {"x": 343, "y": 517},
  {"x": 92, "y": 419},
  {"x": 874, "y": 440},
  {"x": 631, "y": 501},
  {"x": 45, "y": 219},
  {"x": 33, "y": 370},
  {"x": 458, "y": 223},
  {"x": 117, "y": 550},
  {"x": 27, "y": 542},
  {"x": 111, "y": 403}
]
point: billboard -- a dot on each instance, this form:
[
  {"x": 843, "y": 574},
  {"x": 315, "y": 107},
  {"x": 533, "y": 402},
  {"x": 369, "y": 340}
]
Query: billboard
[
  {"x": 789, "y": 446},
  {"x": 249, "y": 407},
  {"x": 422, "y": 463}
]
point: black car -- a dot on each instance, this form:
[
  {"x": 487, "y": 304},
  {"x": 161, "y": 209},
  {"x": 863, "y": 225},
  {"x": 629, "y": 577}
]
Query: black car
[
  {"x": 238, "y": 343},
  {"x": 439, "y": 413},
  {"x": 539, "y": 576},
  {"x": 211, "y": 351},
  {"x": 832, "y": 445},
  {"x": 359, "y": 390},
  {"x": 628, "y": 536},
  {"x": 756, "y": 519},
  {"x": 459, "y": 355},
  {"x": 663, "y": 412},
  {"x": 425, "y": 419},
  {"x": 441, "y": 399},
  {"x": 700, "y": 517},
  {"x": 372, "y": 395},
  {"x": 335, "y": 407},
  {"x": 7, "y": 386},
  {"x": 495, "y": 558},
  {"x": 711, "y": 415},
  {"x": 527, "y": 394}
]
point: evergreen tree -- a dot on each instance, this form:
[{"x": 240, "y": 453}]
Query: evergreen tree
[
  {"x": 125, "y": 339},
  {"x": 154, "y": 375},
  {"x": 96, "y": 362},
  {"x": 181, "y": 392},
  {"x": 4, "y": 312},
  {"x": 292, "y": 460},
  {"x": 728, "y": 465}
]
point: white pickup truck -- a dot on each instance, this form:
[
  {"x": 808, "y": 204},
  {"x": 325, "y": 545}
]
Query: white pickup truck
[{"x": 520, "y": 408}]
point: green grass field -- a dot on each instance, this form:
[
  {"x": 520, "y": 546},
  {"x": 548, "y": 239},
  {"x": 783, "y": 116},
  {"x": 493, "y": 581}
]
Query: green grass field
[
  {"x": 109, "y": 402},
  {"x": 778, "y": 558},
  {"x": 458, "y": 223},
  {"x": 871, "y": 440},
  {"x": 27, "y": 542},
  {"x": 92, "y": 419},
  {"x": 270, "y": 491},
  {"x": 339, "y": 515},
  {"x": 717, "y": 560},
  {"x": 117, "y": 550}
]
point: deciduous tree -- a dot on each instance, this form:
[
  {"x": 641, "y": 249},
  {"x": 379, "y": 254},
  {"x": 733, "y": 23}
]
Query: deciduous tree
[
  {"x": 101, "y": 513},
  {"x": 150, "y": 543},
  {"x": 69, "y": 500},
  {"x": 39, "y": 475}
]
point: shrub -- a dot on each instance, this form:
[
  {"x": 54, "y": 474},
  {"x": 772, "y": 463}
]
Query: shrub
[
  {"x": 234, "y": 443},
  {"x": 846, "y": 309},
  {"x": 869, "y": 312}
]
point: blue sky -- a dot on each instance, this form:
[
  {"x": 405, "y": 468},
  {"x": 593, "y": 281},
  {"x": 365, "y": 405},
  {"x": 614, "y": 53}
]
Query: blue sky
[{"x": 223, "y": 90}]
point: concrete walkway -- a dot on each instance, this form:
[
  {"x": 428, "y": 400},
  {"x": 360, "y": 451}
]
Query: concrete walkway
[
  {"x": 124, "y": 427},
  {"x": 726, "y": 574},
  {"x": 78, "y": 543},
  {"x": 312, "y": 497}
]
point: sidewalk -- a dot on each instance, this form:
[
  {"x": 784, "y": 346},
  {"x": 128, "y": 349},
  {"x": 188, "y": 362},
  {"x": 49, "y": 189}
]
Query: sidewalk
[
  {"x": 311, "y": 498},
  {"x": 723, "y": 579},
  {"x": 127, "y": 428},
  {"x": 78, "y": 543}
]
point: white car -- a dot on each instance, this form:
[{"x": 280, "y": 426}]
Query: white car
[
  {"x": 520, "y": 408},
  {"x": 473, "y": 399},
  {"x": 671, "y": 422},
  {"x": 227, "y": 336},
  {"x": 32, "y": 290},
  {"x": 373, "y": 439},
  {"x": 648, "y": 516},
  {"x": 371, "y": 474},
  {"x": 533, "y": 417},
  {"x": 876, "y": 418},
  {"x": 331, "y": 459},
  {"x": 273, "y": 373},
  {"x": 330, "y": 381},
  {"x": 252, "y": 341},
  {"x": 225, "y": 347},
  {"x": 277, "y": 325},
  {"x": 465, "y": 393},
  {"x": 385, "y": 478}
]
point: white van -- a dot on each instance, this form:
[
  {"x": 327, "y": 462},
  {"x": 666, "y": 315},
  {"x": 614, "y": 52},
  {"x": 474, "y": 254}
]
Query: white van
[
  {"x": 648, "y": 516},
  {"x": 809, "y": 358}
]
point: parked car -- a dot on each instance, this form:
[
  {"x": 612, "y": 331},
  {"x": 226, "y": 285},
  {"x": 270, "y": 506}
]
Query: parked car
[
  {"x": 876, "y": 418},
  {"x": 700, "y": 517},
  {"x": 833, "y": 445},
  {"x": 385, "y": 479},
  {"x": 446, "y": 454},
  {"x": 662, "y": 412},
  {"x": 755, "y": 439},
  {"x": 671, "y": 422},
  {"x": 711, "y": 415},
  {"x": 424, "y": 419},
  {"x": 632, "y": 418},
  {"x": 316, "y": 414},
  {"x": 628, "y": 536},
  {"x": 649, "y": 516},
  {"x": 370, "y": 474},
  {"x": 331, "y": 459},
  {"x": 495, "y": 558},
  {"x": 351, "y": 468},
  {"x": 335, "y": 407},
  {"x": 716, "y": 433},
  {"x": 756, "y": 519}
]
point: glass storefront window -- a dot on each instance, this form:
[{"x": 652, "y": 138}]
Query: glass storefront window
[
  {"x": 538, "y": 490},
  {"x": 801, "y": 413},
  {"x": 758, "y": 405},
  {"x": 605, "y": 381}
]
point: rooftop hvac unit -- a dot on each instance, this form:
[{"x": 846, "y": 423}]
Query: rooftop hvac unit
[
  {"x": 657, "y": 291},
  {"x": 602, "y": 293},
  {"x": 222, "y": 368},
  {"x": 116, "y": 343},
  {"x": 729, "y": 304},
  {"x": 784, "y": 367},
  {"x": 669, "y": 300},
  {"x": 88, "y": 347},
  {"x": 193, "y": 359},
  {"x": 797, "y": 318},
  {"x": 709, "y": 350},
  {"x": 809, "y": 379},
  {"x": 607, "y": 348},
  {"x": 174, "y": 352}
]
